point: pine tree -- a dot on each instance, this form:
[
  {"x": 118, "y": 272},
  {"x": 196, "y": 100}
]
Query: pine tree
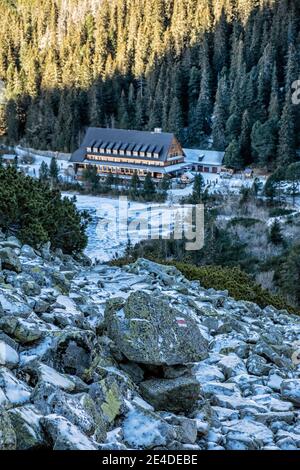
[
  {"x": 149, "y": 189},
  {"x": 123, "y": 117},
  {"x": 221, "y": 49},
  {"x": 135, "y": 184},
  {"x": 198, "y": 188},
  {"x": 53, "y": 170},
  {"x": 263, "y": 142},
  {"x": 245, "y": 138},
  {"x": 287, "y": 140},
  {"x": 293, "y": 176},
  {"x": 274, "y": 106},
  {"x": 233, "y": 128},
  {"x": 175, "y": 122},
  {"x": 44, "y": 172},
  {"x": 276, "y": 236},
  {"x": 166, "y": 183},
  {"x": 220, "y": 113},
  {"x": 91, "y": 177},
  {"x": 233, "y": 157},
  {"x": 109, "y": 181},
  {"x": 289, "y": 278},
  {"x": 204, "y": 108}
]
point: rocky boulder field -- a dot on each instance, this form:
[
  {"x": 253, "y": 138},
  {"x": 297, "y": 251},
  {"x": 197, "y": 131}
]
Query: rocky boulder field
[{"x": 138, "y": 357}]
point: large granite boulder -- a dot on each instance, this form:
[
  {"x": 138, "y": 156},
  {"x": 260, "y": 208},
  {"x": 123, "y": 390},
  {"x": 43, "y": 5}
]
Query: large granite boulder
[
  {"x": 148, "y": 330},
  {"x": 9, "y": 260}
]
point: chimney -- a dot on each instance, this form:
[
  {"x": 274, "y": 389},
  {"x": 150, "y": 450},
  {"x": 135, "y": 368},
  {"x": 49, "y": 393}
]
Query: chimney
[{"x": 158, "y": 130}]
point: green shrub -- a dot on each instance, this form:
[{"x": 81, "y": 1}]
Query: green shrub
[
  {"x": 37, "y": 214},
  {"x": 280, "y": 211},
  {"x": 246, "y": 222}
]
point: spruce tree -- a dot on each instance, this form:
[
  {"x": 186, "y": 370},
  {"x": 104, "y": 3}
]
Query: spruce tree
[
  {"x": 53, "y": 170},
  {"x": 149, "y": 188},
  {"x": 175, "y": 121},
  {"x": 233, "y": 157},
  {"x": 276, "y": 236},
  {"x": 286, "y": 153},
  {"x": 220, "y": 113},
  {"x": 263, "y": 143},
  {"x": 135, "y": 184},
  {"x": 44, "y": 172},
  {"x": 198, "y": 188},
  {"x": 166, "y": 183},
  {"x": 245, "y": 138}
]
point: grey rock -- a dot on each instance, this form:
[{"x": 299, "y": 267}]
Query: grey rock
[
  {"x": 7, "y": 434},
  {"x": 79, "y": 409},
  {"x": 211, "y": 389},
  {"x": 257, "y": 365},
  {"x": 8, "y": 356},
  {"x": 266, "y": 351},
  {"x": 72, "y": 352},
  {"x": 30, "y": 288},
  {"x": 208, "y": 372},
  {"x": 146, "y": 430},
  {"x": 60, "y": 281},
  {"x": 186, "y": 429},
  {"x": 64, "y": 435},
  {"x": 290, "y": 390},
  {"x": 23, "y": 331},
  {"x": 9, "y": 260},
  {"x": 14, "y": 392},
  {"x": 110, "y": 396},
  {"x": 247, "y": 435},
  {"x": 232, "y": 365},
  {"x": 28, "y": 252},
  {"x": 26, "y": 424},
  {"x": 135, "y": 372},
  {"x": 147, "y": 330},
  {"x": 180, "y": 394}
]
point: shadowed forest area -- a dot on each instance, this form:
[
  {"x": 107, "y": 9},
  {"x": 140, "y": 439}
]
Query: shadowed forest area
[{"x": 212, "y": 71}]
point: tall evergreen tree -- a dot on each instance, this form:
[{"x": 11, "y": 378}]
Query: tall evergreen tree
[
  {"x": 149, "y": 189},
  {"x": 286, "y": 153},
  {"x": 233, "y": 157},
  {"x": 53, "y": 170}
]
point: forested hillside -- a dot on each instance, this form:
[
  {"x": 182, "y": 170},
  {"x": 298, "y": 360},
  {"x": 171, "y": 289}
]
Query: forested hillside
[{"x": 219, "y": 69}]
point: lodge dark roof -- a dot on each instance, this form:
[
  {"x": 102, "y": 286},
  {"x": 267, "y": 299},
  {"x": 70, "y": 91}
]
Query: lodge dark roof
[{"x": 126, "y": 140}]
